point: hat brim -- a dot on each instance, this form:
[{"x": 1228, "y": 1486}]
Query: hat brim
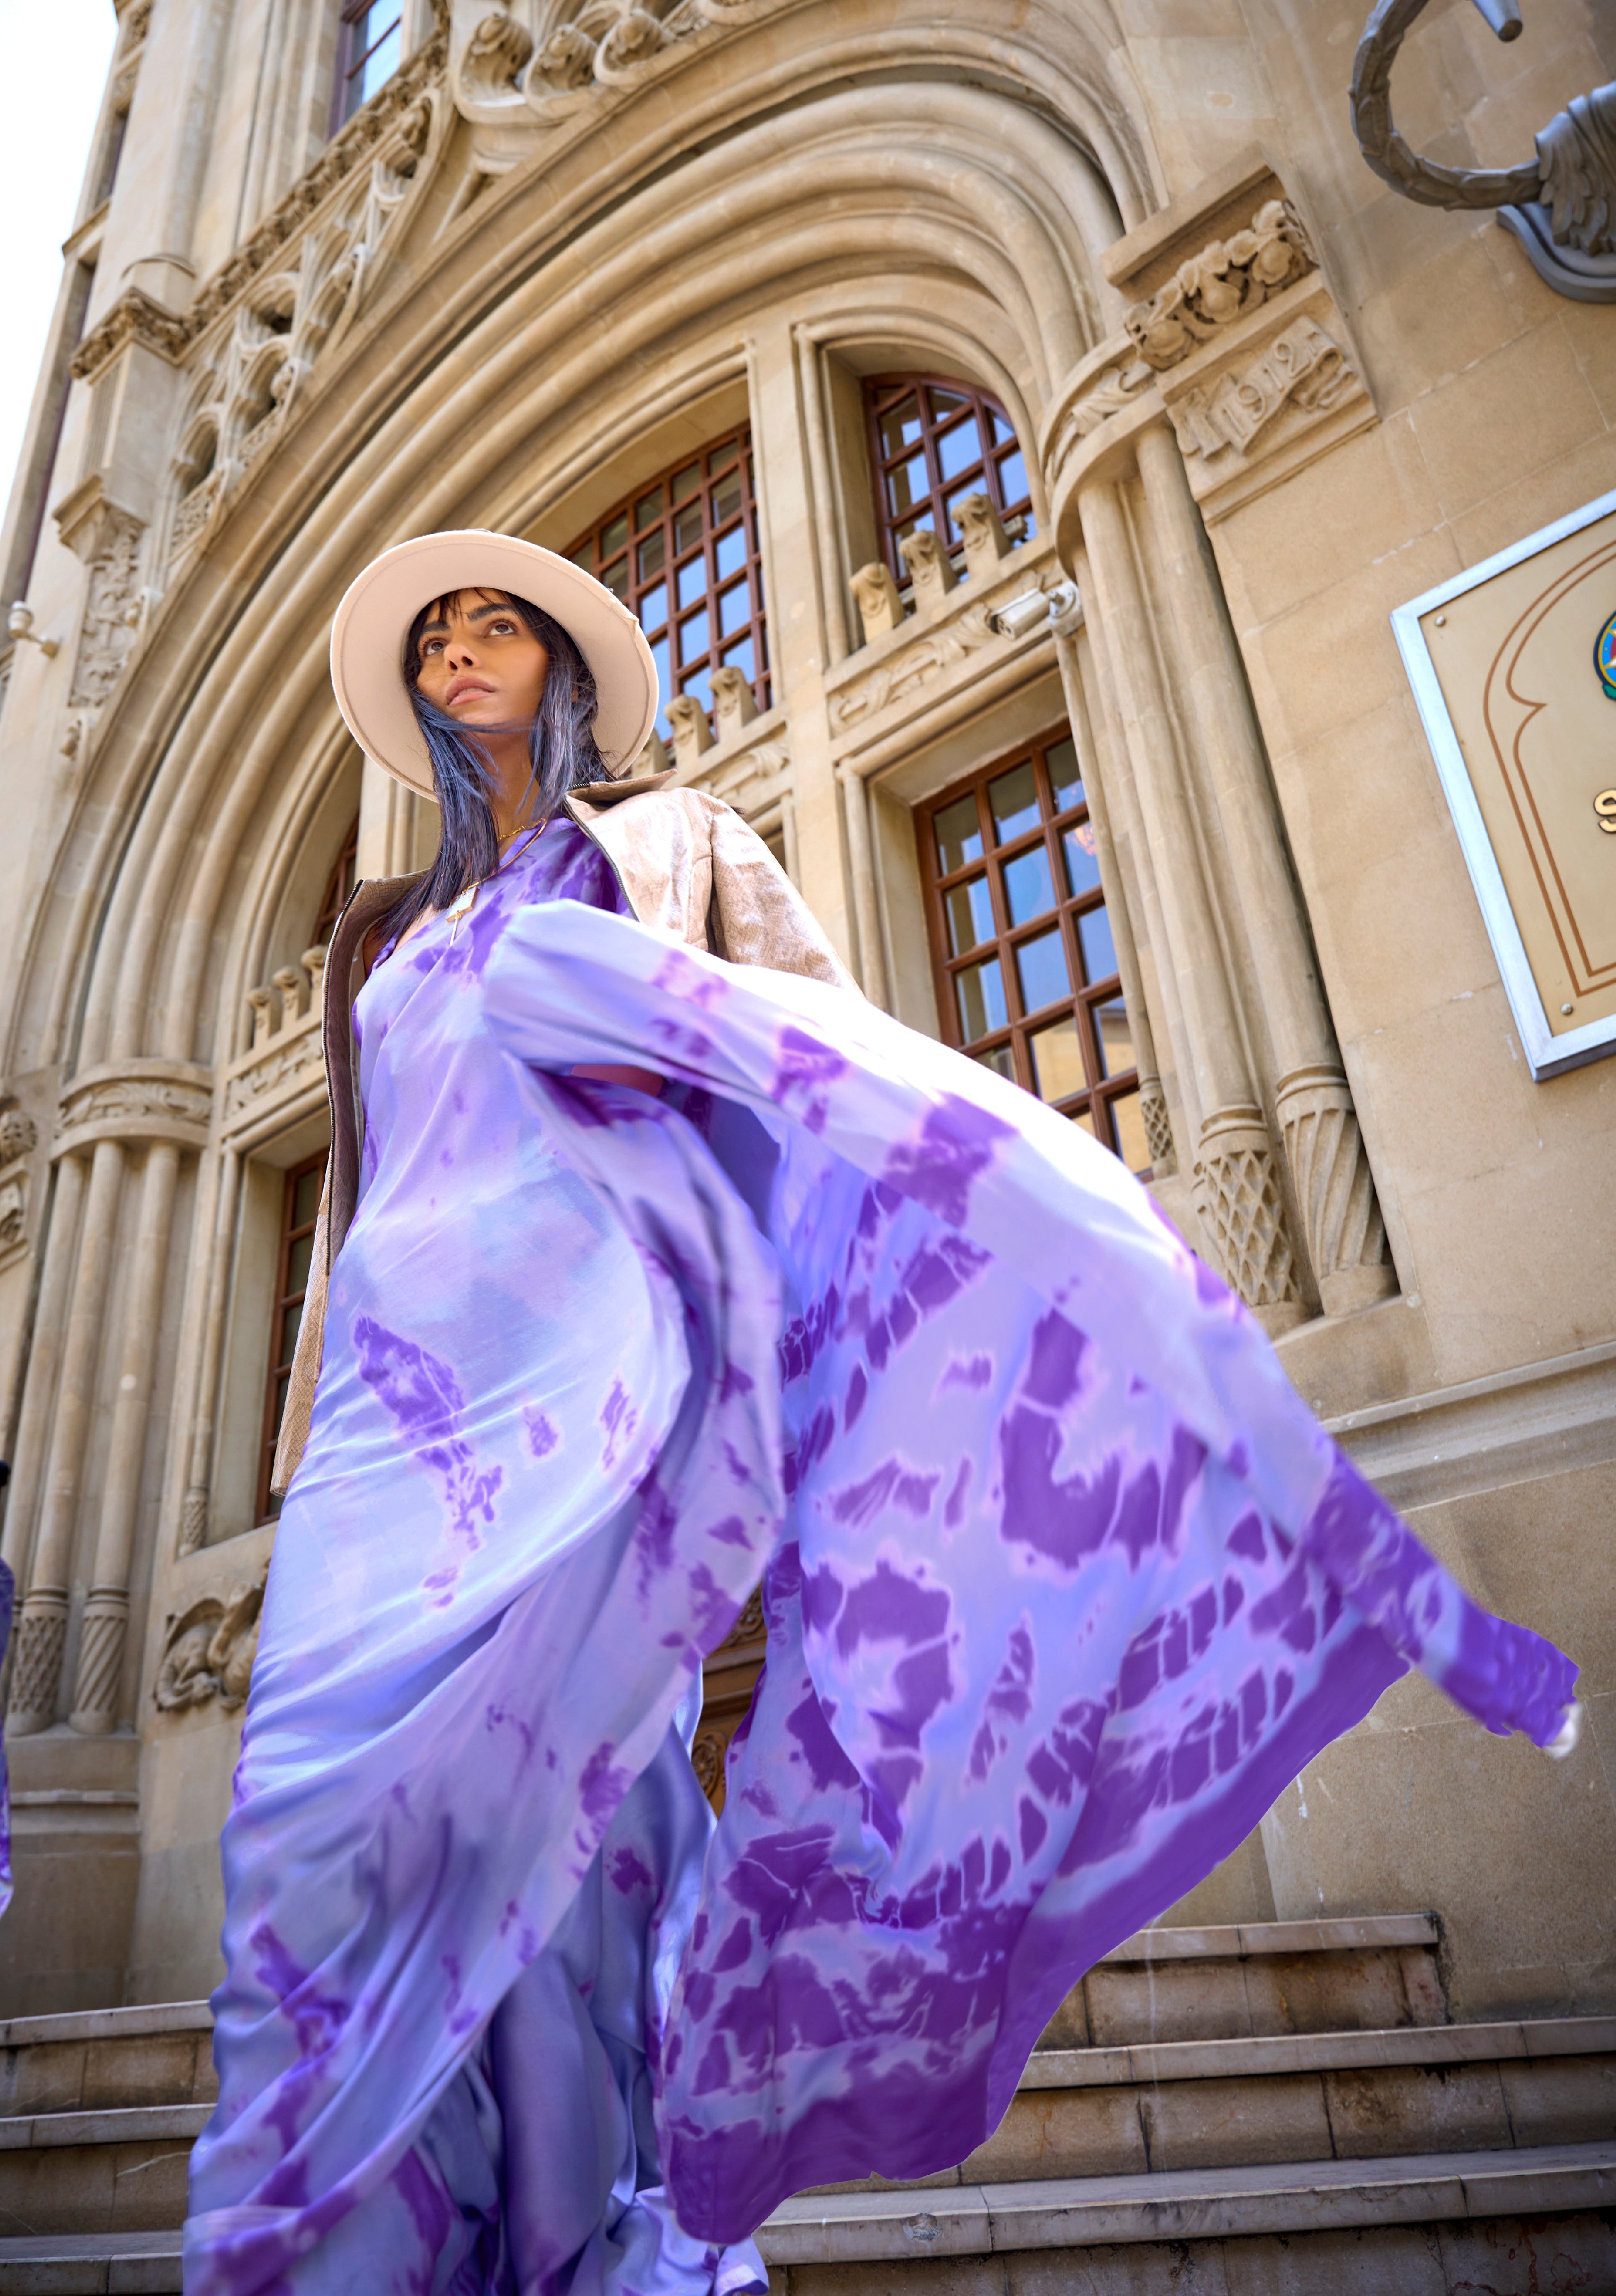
[{"x": 372, "y": 622}]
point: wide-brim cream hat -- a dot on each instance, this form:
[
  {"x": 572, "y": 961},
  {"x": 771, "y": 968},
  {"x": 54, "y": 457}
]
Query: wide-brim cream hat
[{"x": 373, "y": 619}]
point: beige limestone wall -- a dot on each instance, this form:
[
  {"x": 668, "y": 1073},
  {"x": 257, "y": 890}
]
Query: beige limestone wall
[{"x": 534, "y": 334}]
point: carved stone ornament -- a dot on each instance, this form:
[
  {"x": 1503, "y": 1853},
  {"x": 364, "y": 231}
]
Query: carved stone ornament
[
  {"x": 1242, "y": 1210},
  {"x": 136, "y": 20},
  {"x": 875, "y": 596},
  {"x": 19, "y": 1135},
  {"x": 112, "y": 611},
  {"x": 14, "y": 1214},
  {"x": 1303, "y": 366},
  {"x": 208, "y": 1650},
  {"x": 1562, "y": 206},
  {"x": 164, "y": 1101},
  {"x": 914, "y": 665},
  {"x": 136, "y": 317},
  {"x": 502, "y": 76},
  {"x": 1346, "y": 1235},
  {"x": 1158, "y": 1130},
  {"x": 251, "y": 371},
  {"x": 1221, "y": 284}
]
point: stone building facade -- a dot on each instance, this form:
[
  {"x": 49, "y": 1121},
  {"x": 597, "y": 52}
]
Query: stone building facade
[{"x": 1015, "y": 426}]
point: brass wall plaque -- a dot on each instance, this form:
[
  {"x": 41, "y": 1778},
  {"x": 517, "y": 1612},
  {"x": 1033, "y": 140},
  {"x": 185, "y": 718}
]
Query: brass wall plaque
[{"x": 1513, "y": 667}]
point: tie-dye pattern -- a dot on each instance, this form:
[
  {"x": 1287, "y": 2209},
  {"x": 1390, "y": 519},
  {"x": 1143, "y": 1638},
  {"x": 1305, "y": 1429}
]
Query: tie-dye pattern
[{"x": 1064, "y": 1583}]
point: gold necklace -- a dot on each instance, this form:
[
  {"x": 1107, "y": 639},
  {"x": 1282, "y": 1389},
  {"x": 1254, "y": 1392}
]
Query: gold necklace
[{"x": 462, "y": 903}]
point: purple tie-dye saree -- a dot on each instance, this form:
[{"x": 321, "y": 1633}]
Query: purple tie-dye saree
[{"x": 1063, "y": 1582}]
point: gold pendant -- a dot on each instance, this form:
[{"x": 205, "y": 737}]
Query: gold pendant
[{"x": 461, "y": 907}]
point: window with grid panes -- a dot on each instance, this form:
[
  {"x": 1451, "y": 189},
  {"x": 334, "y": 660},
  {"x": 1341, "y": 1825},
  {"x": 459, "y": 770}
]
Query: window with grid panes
[
  {"x": 931, "y": 440},
  {"x": 681, "y": 553},
  {"x": 338, "y": 885},
  {"x": 299, "y": 1204},
  {"x": 1026, "y": 965},
  {"x": 370, "y": 48}
]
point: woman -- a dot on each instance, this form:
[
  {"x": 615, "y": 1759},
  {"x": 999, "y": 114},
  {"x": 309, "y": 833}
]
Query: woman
[{"x": 653, "y": 1260}]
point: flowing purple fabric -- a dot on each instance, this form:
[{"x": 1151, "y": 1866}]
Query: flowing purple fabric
[{"x": 1062, "y": 1583}]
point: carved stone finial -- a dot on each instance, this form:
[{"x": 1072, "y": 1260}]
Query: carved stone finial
[
  {"x": 985, "y": 539},
  {"x": 259, "y": 999},
  {"x": 495, "y": 55},
  {"x": 931, "y": 569},
  {"x": 1562, "y": 206},
  {"x": 691, "y": 732},
  {"x": 875, "y": 596},
  {"x": 290, "y": 982},
  {"x": 567, "y": 59},
  {"x": 731, "y": 701}
]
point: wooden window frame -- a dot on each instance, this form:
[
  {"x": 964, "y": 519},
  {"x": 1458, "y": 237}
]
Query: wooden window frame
[
  {"x": 1094, "y": 1103},
  {"x": 279, "y": 1372},
  {"x": 351, "y": 58},
  {"x": 338, "y": 885},
  {"x": 881, "y": 393},
  {"x": 618, "y": 563}
]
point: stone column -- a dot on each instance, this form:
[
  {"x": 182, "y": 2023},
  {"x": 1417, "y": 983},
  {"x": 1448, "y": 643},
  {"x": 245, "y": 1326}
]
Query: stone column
[
  {"x": 42, "y": 1632},
  {"x": 199, "y": 1480},
  {"x": 866, "y": 907},
  {"x": 1237, "y": 1194},
  {"x": 106, "y": 1618},
  {"x": 1344, "y": 1235},
  {"x": 1121, "y": 909},
  {"x": 44, "y": 1357}
]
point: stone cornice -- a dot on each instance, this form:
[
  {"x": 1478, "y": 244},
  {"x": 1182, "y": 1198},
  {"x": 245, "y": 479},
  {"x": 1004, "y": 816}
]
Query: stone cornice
[{"x": 136, "y": 318}]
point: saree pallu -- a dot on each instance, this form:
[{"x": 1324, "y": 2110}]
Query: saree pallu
[{"x": 1062, "y": 1584}]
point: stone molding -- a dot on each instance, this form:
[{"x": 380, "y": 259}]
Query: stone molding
[
  {"x": 144, "y": 1100},
  {"x": 1549, "y": 1418}
]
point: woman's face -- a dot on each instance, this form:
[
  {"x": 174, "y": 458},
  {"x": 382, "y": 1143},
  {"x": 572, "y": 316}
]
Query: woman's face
[{"x": 477, "y": 660}]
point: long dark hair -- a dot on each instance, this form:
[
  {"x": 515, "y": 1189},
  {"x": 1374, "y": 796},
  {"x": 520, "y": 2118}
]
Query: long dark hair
[{"x": 562, "y": 744}]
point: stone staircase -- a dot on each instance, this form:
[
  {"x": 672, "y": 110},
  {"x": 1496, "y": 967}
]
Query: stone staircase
[{"x": 1281, "y": 2109}]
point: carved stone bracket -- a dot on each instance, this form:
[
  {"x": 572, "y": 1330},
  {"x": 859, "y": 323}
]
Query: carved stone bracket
[
  {"x": 1239, "y": 340},
  {"x": 138, "y": 318},
  {"x": 515, "y": 68},
  {"x": 208, "y": 1650},
  {"x": 138, "y": 1100}
]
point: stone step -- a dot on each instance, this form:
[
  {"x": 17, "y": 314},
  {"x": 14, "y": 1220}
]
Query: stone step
[
  {"x": 1164, "y": 2108},
  {"x": 1530, "y": 2220},
  {"x": 96, "y": 2059},
  {"x": 1187, "y": 2105},
  {"x": 1238, "y": 1981},
  {"x": 1509, "y": 2223}
]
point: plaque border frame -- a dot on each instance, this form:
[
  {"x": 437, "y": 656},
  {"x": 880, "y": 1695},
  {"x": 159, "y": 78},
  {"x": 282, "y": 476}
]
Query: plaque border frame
[{"x": 1546, "y": 1054}]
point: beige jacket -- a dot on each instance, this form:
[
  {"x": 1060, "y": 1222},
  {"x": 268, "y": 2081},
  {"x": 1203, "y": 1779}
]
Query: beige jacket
[{"x": 686, "y": 863}]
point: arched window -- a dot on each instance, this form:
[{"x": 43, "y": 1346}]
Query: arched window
[
  {"x": 1026, "y": 966},
  {"x": 933, "y": 438},
  {"x": 370, "y": 48},
  {"x": 681, "y": 551}
]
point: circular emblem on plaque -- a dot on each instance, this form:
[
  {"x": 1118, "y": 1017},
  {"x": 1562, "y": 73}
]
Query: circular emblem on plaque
[{"x": 1605, "y": 657}]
